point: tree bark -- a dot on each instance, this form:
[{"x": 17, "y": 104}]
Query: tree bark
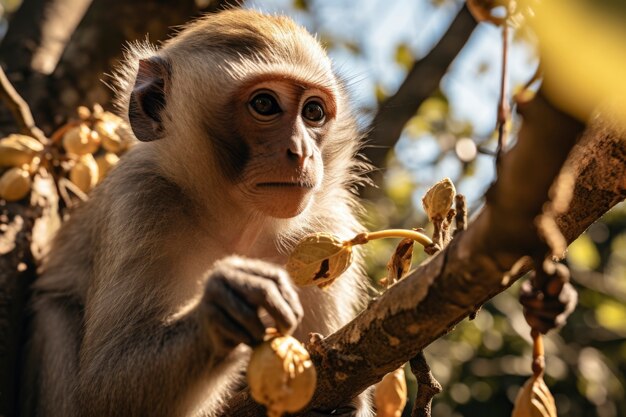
[
  {"x": 37, "y": 34},
  {"x": 480, "y": 262},
  {"x": 57, "y": 66}
]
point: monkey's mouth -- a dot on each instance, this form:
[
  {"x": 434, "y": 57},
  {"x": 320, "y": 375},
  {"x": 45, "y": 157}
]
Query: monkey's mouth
[{"x": 287, "y": 185}]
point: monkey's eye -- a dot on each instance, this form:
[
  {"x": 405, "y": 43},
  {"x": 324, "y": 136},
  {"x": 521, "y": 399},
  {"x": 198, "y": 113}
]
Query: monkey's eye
[
  {"x": 265, "y": 104},
  {"x": 313, "y": 111}
]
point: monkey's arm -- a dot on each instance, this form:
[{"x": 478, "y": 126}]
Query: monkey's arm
[{"x": 134, "y": 361}]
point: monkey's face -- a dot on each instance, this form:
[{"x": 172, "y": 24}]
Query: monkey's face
[{"x": 282, "y": 124}]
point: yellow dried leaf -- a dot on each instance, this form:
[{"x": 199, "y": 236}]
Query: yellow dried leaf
[
  {"x": 391, "y": 393},
  {"x": 318, "y": 259},
  {"x": 400, "y": 261}
]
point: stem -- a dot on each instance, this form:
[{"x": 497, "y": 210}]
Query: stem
[
  {"x": 503, "y": 106},
  {"x": 411, "y": 234},
  {"x": 19, "y": 108},
  {"x": 537, "y": 344},
  {"x": 539, "y": 361}
]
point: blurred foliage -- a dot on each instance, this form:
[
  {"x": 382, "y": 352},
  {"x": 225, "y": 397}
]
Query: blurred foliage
[
  {"x": 591, "y": 70},
  {"x": 9, "y": 6}
]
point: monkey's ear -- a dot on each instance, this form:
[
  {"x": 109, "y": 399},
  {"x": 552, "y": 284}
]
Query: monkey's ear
[{"x": 147, "y": 100}]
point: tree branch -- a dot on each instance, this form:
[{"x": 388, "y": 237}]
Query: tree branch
[
  {"x": 421, "y": 81},
  {"x": 43, "y": 38},
  {"x": 37, "y": 35},
  {"x": 38, "y": 32},
  {"x": 479, "y": 263},
  {"x": 19, "y": 108}
]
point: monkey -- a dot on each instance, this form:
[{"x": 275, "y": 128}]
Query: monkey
[{"x": 155, "y": 288}]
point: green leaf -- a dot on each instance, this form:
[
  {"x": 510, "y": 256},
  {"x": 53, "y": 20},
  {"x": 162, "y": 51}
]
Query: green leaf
[
  {"x": 404, "y": 57},
  {"x": 301, "y": 5},
  {"x": 583, "y": 253},
  {"x": 612, "y": 315},
  {"x": 381, "y": 93}
]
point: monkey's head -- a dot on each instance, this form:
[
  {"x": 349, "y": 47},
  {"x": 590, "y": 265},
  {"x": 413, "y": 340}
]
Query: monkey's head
[{"x": 249, "y": 104}]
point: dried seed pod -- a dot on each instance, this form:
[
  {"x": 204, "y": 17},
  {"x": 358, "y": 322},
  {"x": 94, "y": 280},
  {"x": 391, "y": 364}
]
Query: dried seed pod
[
  {"x": 15, "y": 184},
  {"x": 281, "y": 375},
  {"x": 111, "y": 141},
  {"x": 534, "y": 400},
  {"x": 438, "y": 199},
  {"x": 85, "y": 173},
  {"x": 83, "y": 112},
  {"x": 81, "y": 140},
  {"x": 318, "y": 259},
  {"x": 391, "y": 394},
  {"x": 17, "y": 150},
  {"x": 105, "y": 162}
]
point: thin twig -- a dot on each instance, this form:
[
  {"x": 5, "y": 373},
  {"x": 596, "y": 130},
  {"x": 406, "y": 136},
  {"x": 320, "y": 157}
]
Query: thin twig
[
  {"x": 503, "y": 104},
  {"x": 20, "y": 109},
  {"x": 66, "y": 185},
  {"x": 427, "y": 386}
]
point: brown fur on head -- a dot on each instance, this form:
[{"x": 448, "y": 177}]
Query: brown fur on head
[{"x": 239, "y": 50}]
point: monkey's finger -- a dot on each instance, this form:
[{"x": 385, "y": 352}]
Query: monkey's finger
[
  {"x": 264, "y": 293},
  {"x": 282, "y": 280},
  {"x": 224, "y": 331},
  {"x": 242, "y": 313}
]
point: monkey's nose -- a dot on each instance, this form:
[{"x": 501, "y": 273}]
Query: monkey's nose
[
  {"x": 299, "y": 153},
  {"x": 299, "y": 157}
]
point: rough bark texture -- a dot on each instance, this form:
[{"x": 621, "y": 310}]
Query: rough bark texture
[
  {"x": 479, "y": 263},
  {"x": 427, "y": 386}
]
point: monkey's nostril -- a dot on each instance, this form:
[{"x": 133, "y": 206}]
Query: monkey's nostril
[{"x": 295, "y": 155}]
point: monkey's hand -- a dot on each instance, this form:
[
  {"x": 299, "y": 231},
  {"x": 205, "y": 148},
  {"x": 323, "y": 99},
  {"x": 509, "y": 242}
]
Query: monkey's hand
[{"x": 235, "y": 291}]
